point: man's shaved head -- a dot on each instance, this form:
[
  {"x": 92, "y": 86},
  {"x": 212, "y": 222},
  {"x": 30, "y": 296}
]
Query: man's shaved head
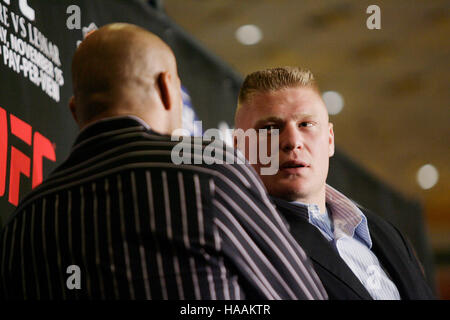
[{"x": 117, "y": 70}]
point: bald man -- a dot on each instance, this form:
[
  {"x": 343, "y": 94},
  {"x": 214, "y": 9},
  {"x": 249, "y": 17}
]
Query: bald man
[{"x": 119, "y": 220}]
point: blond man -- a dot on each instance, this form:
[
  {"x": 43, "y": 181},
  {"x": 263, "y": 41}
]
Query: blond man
[{"x": 356, "y": 253}]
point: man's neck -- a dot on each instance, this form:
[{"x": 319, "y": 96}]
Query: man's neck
[
  {"x": 318, "y": 199},
  {"x": 320, "y": 204}
]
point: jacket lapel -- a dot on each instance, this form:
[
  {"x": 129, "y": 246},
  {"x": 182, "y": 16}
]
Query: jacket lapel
[
  {"x": 319, "y": 249},
  {"x": 395, "y": 262}
]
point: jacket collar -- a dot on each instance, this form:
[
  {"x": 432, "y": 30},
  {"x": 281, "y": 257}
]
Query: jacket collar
[
  {"x": 317, "y": 247},
  {"x": 403, "y": 269},
  {"x": 109, "y": 124}
]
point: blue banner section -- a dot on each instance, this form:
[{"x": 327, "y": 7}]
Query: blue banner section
[{"x": 190, "y": 118}]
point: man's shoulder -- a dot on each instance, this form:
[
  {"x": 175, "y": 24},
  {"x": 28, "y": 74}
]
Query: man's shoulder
[
  {"x": 380, "y": 225},
  {"x": 374, "y": 218},
  {"x": 148, "y": 151},
  {"x": 125, "y": 140},
  {"x": 210, "y": 154}
]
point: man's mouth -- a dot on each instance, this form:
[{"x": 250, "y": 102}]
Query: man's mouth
[{"x": 294, "y": 166}]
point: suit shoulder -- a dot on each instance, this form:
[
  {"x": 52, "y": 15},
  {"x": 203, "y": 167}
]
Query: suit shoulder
[
  {"x": 381, "y": 225},
  {"x": 213, "y": 155},
  {"x": 375, "y": 219}
]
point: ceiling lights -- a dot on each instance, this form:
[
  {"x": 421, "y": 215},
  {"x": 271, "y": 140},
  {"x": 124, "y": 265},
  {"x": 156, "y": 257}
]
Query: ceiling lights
[
  {"x": 333, "y": 101},
  {"x": 427, "y": 176},
  {"x": 249, "y": 34}
]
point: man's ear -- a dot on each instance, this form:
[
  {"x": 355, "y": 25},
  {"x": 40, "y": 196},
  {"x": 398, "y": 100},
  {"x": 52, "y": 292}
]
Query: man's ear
[
  {"x": 73, "y": 108},
  {"x": 164, "y": 80},
  {"x": 330, "y": 140}
]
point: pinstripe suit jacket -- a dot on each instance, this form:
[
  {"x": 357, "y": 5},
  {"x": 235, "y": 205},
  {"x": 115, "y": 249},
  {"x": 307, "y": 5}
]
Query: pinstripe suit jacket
[{"x": 140, "y": 227}]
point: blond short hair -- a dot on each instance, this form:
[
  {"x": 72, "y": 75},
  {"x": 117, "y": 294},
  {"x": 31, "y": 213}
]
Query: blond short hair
[{"x": 275, "y": 79}]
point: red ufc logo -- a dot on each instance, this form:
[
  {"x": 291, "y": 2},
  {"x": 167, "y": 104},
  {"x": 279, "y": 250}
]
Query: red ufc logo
[{"x": 20, "y": 163}]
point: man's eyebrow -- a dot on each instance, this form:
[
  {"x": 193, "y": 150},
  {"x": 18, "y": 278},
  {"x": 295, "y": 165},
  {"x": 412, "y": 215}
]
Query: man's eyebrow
[
  {"x": 302, "y": 115},
  {"x": 268, "y": 119}
]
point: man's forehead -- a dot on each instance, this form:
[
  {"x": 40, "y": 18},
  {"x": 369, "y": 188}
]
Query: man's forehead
[
  {"x": 291, "y": 97},
  {"x": 287, "y": 100},
  {"x": 287, "y": 93}
]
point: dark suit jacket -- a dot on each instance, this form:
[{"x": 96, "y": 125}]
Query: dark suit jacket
[
  {"x": 140, "y": 226},
  {"x": 393, "y": 251}
]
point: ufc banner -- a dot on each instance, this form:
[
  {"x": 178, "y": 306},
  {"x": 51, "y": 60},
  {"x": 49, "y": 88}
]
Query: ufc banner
[{"x": 37, "y": 41}]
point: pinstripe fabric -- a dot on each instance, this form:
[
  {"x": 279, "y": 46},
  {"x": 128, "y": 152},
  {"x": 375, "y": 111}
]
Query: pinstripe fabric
[{"x": 140, "y": 227}]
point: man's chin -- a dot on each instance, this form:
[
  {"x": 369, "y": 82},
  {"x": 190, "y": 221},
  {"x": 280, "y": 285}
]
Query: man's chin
[{"x": 289, "y": 193}]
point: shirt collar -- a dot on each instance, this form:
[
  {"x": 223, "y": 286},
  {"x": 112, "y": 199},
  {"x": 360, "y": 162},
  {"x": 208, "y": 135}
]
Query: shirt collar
[
  {"x": 312, "y": 210},
  {"x": 348, "y": 219}
]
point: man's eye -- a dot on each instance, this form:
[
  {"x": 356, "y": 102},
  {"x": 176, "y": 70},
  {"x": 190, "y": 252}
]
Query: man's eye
[{"x": 306, "y": 124}]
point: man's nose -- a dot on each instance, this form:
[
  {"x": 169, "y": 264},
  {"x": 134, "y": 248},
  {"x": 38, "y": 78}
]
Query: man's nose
[{"x": 291, "y": 138}]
